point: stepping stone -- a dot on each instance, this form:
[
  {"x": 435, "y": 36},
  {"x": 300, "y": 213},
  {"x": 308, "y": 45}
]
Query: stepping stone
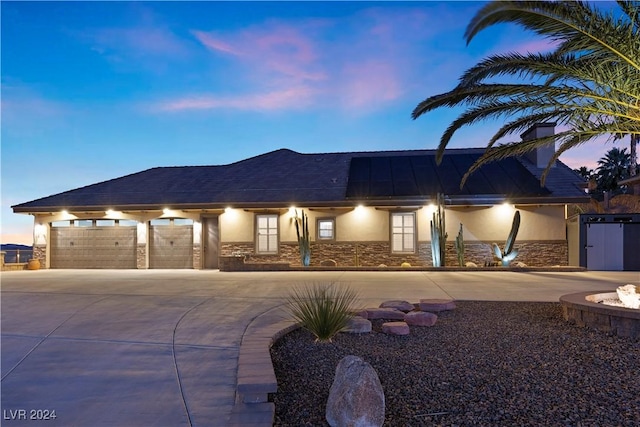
[
  {"x": 358, "y": 325},
  {"x": 398, "y": 305},
  {"x": 384, "y": 313},
  {"x": 437, "y": 305},
  {"x": 420, "y": 318},
  {"x": 395, "y": 328}
]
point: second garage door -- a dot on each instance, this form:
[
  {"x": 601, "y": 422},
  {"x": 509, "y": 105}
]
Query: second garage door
[{"x": 171, "y": 244}]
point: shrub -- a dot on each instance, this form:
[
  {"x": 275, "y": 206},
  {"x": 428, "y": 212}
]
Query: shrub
[{"x": 322, "y": 309}]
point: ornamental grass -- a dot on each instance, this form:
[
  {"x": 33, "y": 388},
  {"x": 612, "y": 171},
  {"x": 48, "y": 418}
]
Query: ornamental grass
[{"x": 322, "y": 309}]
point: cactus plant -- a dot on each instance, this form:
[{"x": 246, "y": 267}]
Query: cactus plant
[
  {"x": 509, "y": 253},
  {"x": 438, "y": 234},
  {"x": 459, "y": 244},
  {"x": 304, "y": 242}
]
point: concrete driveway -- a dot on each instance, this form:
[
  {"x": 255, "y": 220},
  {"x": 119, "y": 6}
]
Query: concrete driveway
[{"x": 160, "y": 347}]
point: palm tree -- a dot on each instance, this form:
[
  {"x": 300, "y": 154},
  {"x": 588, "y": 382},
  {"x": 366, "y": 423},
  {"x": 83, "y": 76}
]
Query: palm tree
[
  {"x": 613, "y": 167},
  {"x": 584, "y": 172},
  {"x": 589, "y": 84}
]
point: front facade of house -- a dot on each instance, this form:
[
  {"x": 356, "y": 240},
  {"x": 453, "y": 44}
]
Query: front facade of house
[{"x": 364, "y": 209}]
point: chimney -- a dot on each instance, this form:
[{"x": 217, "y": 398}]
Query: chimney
[{"x": 541, "y": 155}]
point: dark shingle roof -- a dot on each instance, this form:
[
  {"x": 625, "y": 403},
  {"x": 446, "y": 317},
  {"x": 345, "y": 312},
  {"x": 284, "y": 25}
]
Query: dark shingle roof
[{"x": 285, "y": 177}]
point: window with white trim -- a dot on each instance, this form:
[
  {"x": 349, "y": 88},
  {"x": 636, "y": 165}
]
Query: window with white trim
[
  {"x": 326, "y": 228},
  {"x": 267, "y": 234},
  {"x": 403, "y": 232}
]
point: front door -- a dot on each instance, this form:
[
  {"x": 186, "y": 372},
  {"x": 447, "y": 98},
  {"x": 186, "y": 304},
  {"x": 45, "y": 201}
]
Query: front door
[{"x": 211, "y": 242}]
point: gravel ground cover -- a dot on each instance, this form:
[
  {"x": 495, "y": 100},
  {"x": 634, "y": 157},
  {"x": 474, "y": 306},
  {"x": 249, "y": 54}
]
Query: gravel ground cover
[{"x": 483, "y": 364}]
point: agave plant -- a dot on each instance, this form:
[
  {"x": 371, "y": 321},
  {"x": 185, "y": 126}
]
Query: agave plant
[
  {"x": 589, "y": 83},
  {"x": 322, "y": 309}
]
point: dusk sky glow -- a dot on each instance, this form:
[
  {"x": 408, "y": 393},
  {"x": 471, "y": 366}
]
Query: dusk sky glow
[{"x": 95, "y": 90}]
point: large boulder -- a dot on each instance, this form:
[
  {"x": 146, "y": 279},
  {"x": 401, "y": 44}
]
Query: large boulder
[{"x": 356, "y": 398}]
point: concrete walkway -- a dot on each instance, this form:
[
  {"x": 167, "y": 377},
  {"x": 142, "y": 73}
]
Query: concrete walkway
[{"x": 160, "y": 347}]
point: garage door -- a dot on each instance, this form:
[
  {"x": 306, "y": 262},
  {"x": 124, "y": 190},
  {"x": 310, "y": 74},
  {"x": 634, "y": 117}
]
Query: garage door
[
  {"x": 171, "y": 244},
  {"x": 93, "y": 247}
]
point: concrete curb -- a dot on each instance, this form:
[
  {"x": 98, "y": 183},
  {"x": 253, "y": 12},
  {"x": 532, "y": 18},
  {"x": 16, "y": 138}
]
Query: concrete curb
[{"x": 256, "y": 377}]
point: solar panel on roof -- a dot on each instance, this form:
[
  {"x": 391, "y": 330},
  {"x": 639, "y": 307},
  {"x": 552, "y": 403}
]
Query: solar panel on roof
[{"x": 419, "y": 176}]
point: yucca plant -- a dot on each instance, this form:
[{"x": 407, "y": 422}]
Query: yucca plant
[{"x": 322, "y": 309}]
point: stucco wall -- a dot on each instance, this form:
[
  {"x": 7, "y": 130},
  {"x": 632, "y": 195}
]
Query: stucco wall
[{"x": 369, "y": 224}]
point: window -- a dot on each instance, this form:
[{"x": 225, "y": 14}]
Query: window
[
  {"x": 127, "y": 223},
  {"x": 160, "y": 221},
  {"x": 66, "y": 223},
  {"x": 267, "y": 234},
  {"x": 105, "y": 222},
  {"x": 83, "y": 223},
  {"x": 182, "y": 221},
  {"x": 403, "y": 232},
  {"x": 326, "y": 228}
]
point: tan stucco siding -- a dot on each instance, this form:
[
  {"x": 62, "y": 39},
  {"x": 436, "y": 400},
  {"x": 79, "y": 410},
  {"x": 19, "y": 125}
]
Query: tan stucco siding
[
  {"x": 363, "y": 224},
  {"x": 370, "y": 224},
  {"x": 494, "y": 223},
  {"x": 236, "y": 225}
]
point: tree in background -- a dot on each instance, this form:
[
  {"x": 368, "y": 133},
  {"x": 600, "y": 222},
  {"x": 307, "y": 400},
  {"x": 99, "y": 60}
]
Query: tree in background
[
  {"x": 589, "y": 83},
  {"x": 613, "y": 167},
  {"x": 584, "y": 172}
]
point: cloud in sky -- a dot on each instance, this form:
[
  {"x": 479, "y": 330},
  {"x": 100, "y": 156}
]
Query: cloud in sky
[{"x": 369, "y": 68}]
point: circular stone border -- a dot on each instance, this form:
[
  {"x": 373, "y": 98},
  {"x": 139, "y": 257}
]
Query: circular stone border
[{"x": 583, "y": 309}]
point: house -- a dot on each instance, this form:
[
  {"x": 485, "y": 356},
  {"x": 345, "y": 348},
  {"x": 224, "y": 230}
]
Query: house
[{"x": 365, "y": 209}]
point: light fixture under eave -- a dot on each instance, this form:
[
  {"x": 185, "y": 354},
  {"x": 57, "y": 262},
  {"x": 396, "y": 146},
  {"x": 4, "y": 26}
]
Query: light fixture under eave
[{"x": 166, "y": 211}]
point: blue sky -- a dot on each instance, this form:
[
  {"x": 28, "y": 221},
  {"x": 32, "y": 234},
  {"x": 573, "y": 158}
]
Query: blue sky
[{"x": 96, "y": 90}]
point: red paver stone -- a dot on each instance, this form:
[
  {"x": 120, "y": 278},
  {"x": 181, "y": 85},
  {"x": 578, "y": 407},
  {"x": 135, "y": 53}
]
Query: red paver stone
[
  {"x": 384, "y": 313},
  {"x": 395, "y": 328},
  {"x": 398, "y": 305},
  {"x": 420, "y": 318}
]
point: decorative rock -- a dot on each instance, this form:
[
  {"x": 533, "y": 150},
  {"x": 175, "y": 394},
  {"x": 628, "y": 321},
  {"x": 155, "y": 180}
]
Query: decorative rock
[
  {"x": 329, "y": 263},
  {"x": 437, "y": 304},
  {"x": 358, "y": 325},
  {"x": 627, "y": 294},
  {"x": 471, "y": 264},
  {"x": 395, "y": 328},
  {"x": 356, "y": 397},
  {"x": 382, "y": 266},
  {"x": 420, "y": 318},
  {"x": 520, "y": 264},
  {"x": 405, "y": 265},
  {"x": 384, "y": 313},
  {"x": 398, "y": 305}
]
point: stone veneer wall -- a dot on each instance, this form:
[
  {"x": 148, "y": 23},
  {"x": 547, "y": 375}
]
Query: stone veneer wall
[
  {"x": 40, "y": 253},
  {"x": 141, "y": 257},
  {"x": 196, "y": 257},
  {"x": 372, "y": 254}
]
